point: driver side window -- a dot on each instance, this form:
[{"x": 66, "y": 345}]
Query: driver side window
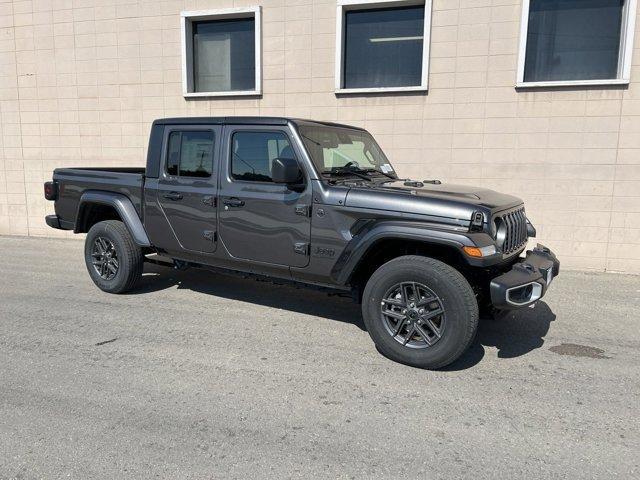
[{"x": 253, "y": 152}]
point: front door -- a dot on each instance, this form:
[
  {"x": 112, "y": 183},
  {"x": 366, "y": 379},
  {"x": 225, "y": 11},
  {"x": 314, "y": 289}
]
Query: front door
[
  {"x": 187, "y": 185},
  {"x": 260, "y": 220}
]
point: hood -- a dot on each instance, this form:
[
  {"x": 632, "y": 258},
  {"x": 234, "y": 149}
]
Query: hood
[{"x": 439, "y": 200}]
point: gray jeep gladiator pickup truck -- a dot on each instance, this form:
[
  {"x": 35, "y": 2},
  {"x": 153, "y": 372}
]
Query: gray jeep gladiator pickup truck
[{"x": 314, "y": 203}]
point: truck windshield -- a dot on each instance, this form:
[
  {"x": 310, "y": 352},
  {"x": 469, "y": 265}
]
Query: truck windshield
[{"x": 336, "y": 150}]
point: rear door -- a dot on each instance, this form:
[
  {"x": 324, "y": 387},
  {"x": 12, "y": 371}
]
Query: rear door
[
  {"x": 187, "y": 184},
  {"x": 260, "y": 220}
]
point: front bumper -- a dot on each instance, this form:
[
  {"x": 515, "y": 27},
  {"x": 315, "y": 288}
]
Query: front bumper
[{"x": 528, "y": 280}]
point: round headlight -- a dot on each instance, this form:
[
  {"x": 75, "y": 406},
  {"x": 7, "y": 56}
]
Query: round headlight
[{"x": 501, "y": 232}]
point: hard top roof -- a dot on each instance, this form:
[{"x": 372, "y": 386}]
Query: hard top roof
[{"x": 245, "y": 121}]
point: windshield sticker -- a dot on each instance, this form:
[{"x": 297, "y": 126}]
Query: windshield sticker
[{"x": 386, "y": 168}]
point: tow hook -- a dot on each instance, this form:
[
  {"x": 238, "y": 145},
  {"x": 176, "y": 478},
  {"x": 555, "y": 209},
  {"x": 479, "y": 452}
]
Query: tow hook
[
  {"x": 524, "y": 266},
  {"x": 541, "y": 248}
]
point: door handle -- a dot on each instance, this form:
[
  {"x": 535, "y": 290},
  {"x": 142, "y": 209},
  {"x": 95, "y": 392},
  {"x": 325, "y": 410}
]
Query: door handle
[
  {"x": 233, "y": 202},
  {"x": 173, "y": 196}
]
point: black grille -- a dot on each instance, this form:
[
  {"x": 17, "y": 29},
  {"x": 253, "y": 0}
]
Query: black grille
[{"x": 514, "y": 224}]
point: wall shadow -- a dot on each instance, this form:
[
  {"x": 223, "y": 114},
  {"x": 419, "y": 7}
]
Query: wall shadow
[{"x": 514, "y": 334}]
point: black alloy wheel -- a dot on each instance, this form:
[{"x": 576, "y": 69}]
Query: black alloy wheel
[
  {"x": 104, "y": 258},
  {"x": 413, "y": 315}
]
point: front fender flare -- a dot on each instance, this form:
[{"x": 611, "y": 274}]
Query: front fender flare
[
  {"x": 362, "y": 242},
  {"x": 123, "y": 206}
]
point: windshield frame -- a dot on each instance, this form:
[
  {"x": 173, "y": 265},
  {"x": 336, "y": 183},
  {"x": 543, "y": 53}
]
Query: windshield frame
[{"x": 323, "y": 173}]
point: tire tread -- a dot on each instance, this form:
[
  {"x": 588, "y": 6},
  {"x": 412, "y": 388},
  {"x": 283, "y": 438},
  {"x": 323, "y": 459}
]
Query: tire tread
[
  {"x": 458, "y": 282},
  {"x": 132, "y": 255}
]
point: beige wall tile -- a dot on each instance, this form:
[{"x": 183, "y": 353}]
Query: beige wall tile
[{"x": 81, "y": 82}]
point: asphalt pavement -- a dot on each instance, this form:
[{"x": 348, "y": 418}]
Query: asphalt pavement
[{"x": 199, "y": 375}]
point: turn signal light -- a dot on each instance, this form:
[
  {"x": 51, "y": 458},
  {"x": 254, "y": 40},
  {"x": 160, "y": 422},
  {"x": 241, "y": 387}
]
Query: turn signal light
[
  {"x": 480, "y": 252},
  {"x": 472, "y": 251}
]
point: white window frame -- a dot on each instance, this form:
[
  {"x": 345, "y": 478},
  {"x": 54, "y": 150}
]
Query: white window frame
[
  {"x": 624, "y": 60},
  {"x": 186, "y": 25},
  {"x": 350, "y": 5}
]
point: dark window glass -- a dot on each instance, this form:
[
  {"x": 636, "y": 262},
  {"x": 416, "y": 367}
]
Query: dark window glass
[
  {"x": 383, "y": 47},
  {"x": 190, "y": 154},
  {"x": 173, "y": 153},
  {"x": 573, "y": 40},
  {"x": 196, "y": 154},
  {"x": 253, "y": 153},
  {"x": 224, "y": 55}
]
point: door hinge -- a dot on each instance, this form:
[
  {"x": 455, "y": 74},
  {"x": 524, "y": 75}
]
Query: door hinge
[
  {"x": 209, "y": 200},
  {"x": 210, "y": 235},
  {"x": 301, "y": 248},
  {"x": 304, "y": 210}
]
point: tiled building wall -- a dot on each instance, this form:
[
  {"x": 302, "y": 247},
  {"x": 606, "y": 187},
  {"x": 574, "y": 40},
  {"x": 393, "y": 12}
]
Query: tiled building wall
[{"x": 81, "y": 81}]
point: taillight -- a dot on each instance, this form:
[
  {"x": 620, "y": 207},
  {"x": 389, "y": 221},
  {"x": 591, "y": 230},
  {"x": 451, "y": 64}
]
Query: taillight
[{"x": 50, "y": 190}]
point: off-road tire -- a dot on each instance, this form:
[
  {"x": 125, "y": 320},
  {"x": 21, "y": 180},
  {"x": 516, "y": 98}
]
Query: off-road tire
[
  {"x": 129, "y": 255},
  {"x": 454, "y": 293}
]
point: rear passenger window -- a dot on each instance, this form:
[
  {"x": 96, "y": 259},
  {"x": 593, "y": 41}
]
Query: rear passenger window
[
  {"x": 190, "y": 154},
  {"x": 253, "y": 153}
]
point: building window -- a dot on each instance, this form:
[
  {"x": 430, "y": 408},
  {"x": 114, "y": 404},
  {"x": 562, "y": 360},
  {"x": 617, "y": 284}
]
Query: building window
[
  {"x": 190, "y": 154},
  {"x": 576, "y": 42},
  {"x": 221, "y": 52},
  {"x": 253, "y": 153},
  {"x": 382, "y": 45}
]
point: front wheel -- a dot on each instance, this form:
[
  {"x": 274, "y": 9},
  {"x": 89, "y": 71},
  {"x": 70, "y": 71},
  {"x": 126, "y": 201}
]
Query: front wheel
[
  {"x": 113, "y": 259},
  {"x": 420, "y": 311}
]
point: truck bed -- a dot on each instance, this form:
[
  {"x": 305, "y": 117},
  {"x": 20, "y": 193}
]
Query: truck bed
[{"x": 73, "y": 182}]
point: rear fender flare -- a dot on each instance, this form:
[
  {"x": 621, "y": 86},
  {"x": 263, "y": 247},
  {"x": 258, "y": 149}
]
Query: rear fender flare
[{"x": 123, "y": 206}]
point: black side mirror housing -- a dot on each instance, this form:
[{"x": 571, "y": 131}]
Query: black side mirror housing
[{"x": 286, "y": 170}]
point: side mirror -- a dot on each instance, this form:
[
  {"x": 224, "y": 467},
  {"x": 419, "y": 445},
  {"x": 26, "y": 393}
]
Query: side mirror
[{"x": 286, "y": 170}]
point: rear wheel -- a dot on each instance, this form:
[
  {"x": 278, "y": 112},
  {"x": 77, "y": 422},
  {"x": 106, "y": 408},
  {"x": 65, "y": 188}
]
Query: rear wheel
[
  {"x": 113, "y": 259},
  {"x": 420, "y": 311}
]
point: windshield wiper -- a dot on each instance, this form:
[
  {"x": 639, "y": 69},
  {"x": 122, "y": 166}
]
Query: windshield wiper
[
  {"x": 375, "y": 170},
  {"x": 348, "y": 171}
]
